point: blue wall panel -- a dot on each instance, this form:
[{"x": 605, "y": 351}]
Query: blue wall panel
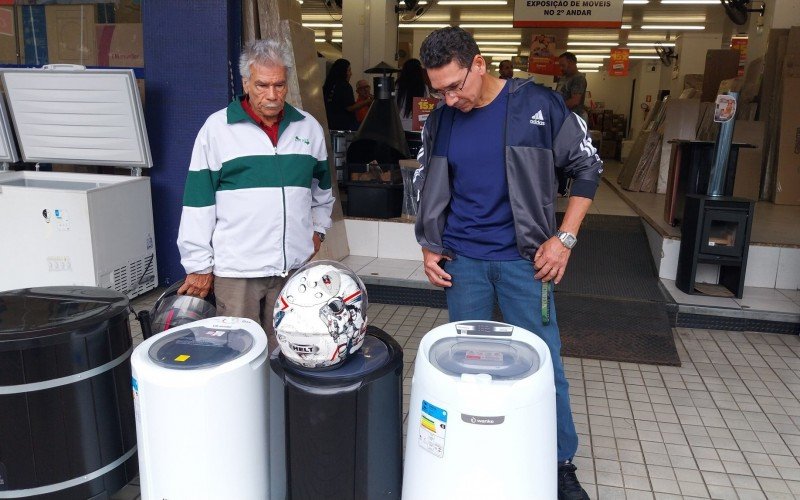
[{"x": 190, "y": 50}]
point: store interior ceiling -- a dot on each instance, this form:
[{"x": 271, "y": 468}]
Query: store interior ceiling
[{"x": 645, "y": 23}]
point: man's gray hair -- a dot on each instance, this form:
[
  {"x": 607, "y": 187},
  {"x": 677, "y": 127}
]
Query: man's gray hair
[{"x": 265, "y": 53}]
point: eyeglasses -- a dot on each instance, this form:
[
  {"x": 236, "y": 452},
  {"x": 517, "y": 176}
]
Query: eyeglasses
[{"x": 451, "y": 92}]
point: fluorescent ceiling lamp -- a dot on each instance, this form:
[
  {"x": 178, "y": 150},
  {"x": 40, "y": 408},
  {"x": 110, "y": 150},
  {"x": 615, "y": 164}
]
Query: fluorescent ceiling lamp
[
  {"x": 474, "y": 4},
  {"x": 336, "y": 40},
  {"x": 322, "y": 25},
  {"x": 495, "y": 63},
  {"x": 496, "y": 36},
  {"x": 422, "y": 26},
  {"x": 590, "y": 65},
  {"x": 651, "y": 44},
  {"x": 638, "y": 36},
  {"x": 483, "y": 17},
  {"x": 488, "y": 26},
  {"x": 592, "y": 37},
  {"x": 499, "y": 50},
  {"x": 689, "y": 2},
  {"x": 635, "y": 2},
  {"x": 319, "y": 40},
  {"x": 673, "y": 27},
  {"x": 507, "y": 55},
  {"x": 497, "y": 42},
  {"x": 594, "y": 44},
  {"x": 591, "y": 51},
  {"x": 643, "y": 57},
  {"x": 591, "y": 70},
  {"x": 626, "y": 27},
  {"x": 591, "y": 57},
  {"x": 674, "y": 19}
]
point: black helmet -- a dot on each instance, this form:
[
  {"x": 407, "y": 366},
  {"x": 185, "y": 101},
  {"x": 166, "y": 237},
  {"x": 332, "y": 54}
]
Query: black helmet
[{"x": 171, "y": 309}]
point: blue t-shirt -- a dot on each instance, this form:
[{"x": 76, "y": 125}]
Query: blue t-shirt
[{"x": 480, "y": 224}]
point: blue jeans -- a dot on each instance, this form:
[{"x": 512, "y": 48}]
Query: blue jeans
[{"x": 476, "y": 284}]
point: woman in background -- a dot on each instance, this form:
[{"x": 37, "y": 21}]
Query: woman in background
[
  {"x": 411, "y": 83},
  {"x": 340, "y": 104}
]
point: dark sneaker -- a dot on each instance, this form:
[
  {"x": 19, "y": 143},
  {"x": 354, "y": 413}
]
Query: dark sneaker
[{"x": 569, "y": 488}]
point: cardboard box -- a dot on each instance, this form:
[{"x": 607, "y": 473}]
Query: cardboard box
[
  {"x": 8, "y": 37},
  {"x": 128, "y": 11},
  {"x": 749, "y": 165},
  {"x": 608, "y": 150},
  {"x": 787, "y": 185},
  {"x": 71, "y": 34},
  {"x": 120, "y": 45},
  {"x": 720, "y": 65}
]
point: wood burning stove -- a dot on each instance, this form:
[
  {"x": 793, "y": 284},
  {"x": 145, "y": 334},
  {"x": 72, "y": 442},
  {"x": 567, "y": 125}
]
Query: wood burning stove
[{"x": 715, "y": 230}]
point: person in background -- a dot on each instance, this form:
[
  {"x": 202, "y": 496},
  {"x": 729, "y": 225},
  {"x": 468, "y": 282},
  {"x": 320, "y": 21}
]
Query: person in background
[
  {"x": 486, "y": 221},
  {"x": 506, "y": 70},
  {"x": 258, "y": 199},
  {"x": 572, "y": 87},
  {"x": 340, "y": 104},
  {"x": 411, "y": 83},
  {"x": 364, "y": 94}
]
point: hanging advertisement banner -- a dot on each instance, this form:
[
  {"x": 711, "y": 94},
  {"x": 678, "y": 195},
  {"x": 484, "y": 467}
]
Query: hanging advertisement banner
[
  {"x": 619, "y": 63},
  {"x": 543, "y": 59},
  {"x": 740, "y": 43},
  {"x": 421, "y": 107},
  {"x": 568, "y": 14}
]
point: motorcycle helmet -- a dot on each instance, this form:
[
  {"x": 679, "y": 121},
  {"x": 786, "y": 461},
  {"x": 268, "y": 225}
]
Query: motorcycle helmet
[
  {"x": 171, "y": 309},
  {"x": 320, "y": 316}
]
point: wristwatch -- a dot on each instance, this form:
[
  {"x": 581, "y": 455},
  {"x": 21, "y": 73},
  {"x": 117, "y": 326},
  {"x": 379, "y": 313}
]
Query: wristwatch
[
  {"x": 321, "y": 236},
  {"x": 567, "y": 239}
]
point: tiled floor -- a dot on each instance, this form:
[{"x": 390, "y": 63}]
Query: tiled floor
[{"x": 726, "y": 424}]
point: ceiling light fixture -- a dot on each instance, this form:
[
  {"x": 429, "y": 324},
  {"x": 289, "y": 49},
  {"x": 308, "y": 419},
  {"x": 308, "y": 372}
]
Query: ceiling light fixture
[
  {"x": 496, "y": 42},
  {"x": 594, "y": 44},
  {"x": 690, "y": 2},
  {"x": 487, "y": 26},
  {"x": 476, "y": 3},
  {"x": 322, "y": 25},
  {"x": 319, "y": 40},
  {"x": 650, "y": 44},
  {"x": 499, "y": 54},
  {"x": 421, "y": 26},
  {"x": 635, "y": 2},
  {"x": 673, "y": 27},
  {"x": 643, "y": 57}
]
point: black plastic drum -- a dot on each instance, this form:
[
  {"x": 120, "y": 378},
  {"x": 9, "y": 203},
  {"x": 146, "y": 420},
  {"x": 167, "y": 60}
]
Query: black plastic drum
[
  {"x": 343, "y": 427},
  {"x": 67, "y": 427}
]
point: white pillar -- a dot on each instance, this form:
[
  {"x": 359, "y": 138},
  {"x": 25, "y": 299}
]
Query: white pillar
[
  {"x": 369, "y": 35},
  {"x": 419, "y": 37},
  {"x": 691, "y": 51},
  {"x": 778, "y": 14}
]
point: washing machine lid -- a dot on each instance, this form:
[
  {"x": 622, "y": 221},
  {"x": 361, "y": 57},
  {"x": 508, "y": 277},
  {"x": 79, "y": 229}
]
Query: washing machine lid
[
  {"x": 502, "y": 359},
  {"x": 200, "y": 347},
  {"x": 29, "y": 314}
]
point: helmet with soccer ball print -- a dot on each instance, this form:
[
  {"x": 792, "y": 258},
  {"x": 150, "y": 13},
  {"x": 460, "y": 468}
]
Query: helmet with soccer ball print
[{"x": 320, "y": 315}]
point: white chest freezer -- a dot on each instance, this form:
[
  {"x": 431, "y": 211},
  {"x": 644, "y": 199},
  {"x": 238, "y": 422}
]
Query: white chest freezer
[{"x": 62, "y": 228}]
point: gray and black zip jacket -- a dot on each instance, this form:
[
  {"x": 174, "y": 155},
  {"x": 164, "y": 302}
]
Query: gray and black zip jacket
[{"x": 541, "y": 135}]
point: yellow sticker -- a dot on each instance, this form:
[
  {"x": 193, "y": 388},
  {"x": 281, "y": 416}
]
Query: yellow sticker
[{"x": 182, "y": 358}]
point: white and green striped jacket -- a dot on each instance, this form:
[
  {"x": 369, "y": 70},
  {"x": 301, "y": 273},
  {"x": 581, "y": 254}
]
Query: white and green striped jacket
[{"x": 250, "y": 209}]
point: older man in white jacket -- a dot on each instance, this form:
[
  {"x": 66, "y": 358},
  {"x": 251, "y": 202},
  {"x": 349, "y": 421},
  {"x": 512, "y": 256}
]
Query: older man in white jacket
[{"x": 258, "y": 196}]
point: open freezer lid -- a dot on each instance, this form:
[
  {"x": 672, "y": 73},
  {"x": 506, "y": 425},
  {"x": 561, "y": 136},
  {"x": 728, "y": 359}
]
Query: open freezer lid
[
  {"x": 8, "y": 151},
  {"x": 69, "y": 114}
]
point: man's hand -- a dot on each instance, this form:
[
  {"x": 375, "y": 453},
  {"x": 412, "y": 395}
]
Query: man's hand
[
  {"x": 551, "y": 260},
  {"x": 433, "y": 270},
  {"x": 197, "y": 285},
  {"x": 317, "y": 244}
]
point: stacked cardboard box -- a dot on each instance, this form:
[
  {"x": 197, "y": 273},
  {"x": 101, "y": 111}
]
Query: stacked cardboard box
[
  {"x": 787, "y": 172},
  {"x": 612, "y": 128}
]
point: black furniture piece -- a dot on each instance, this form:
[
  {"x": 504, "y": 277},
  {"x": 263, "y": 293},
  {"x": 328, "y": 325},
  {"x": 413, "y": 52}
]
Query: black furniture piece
[
  {"x": 715, "y": 230},
  {"x": 67, "y": 426},
  {"x": 343, "y": 428},
  {"x": 690, "y": 171}
]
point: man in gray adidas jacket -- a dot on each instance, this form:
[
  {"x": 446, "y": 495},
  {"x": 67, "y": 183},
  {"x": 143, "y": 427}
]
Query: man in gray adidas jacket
[{"x": 486, "y": 219}]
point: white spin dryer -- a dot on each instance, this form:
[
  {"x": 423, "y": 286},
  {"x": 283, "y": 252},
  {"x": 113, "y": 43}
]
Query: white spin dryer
[
  {"x": 482, "y": 417},
  {"x": 201, "y": 403}
]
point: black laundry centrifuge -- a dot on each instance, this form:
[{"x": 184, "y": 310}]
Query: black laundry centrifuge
[
  {"x": 67, "y": 427},
  {"x": 343, "y": 428}
]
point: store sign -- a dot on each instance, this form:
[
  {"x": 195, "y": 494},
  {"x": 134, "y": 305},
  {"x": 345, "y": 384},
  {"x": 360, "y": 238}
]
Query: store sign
[
  {"x": 568, "y": 14},
  {"x": 543, "y": 58},
  {"x": 740, "y": 43},
  {"x": 619, "y": 63}
]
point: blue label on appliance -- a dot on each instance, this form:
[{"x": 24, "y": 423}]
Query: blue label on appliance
[
  {"x": 434, "y": 411},
  {"x": 135, "y": 384}
]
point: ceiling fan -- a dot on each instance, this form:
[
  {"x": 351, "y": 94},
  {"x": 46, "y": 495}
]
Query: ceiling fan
[
  {"x": 666, "y": 54},
  {"x": 738, "y": 10}
]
